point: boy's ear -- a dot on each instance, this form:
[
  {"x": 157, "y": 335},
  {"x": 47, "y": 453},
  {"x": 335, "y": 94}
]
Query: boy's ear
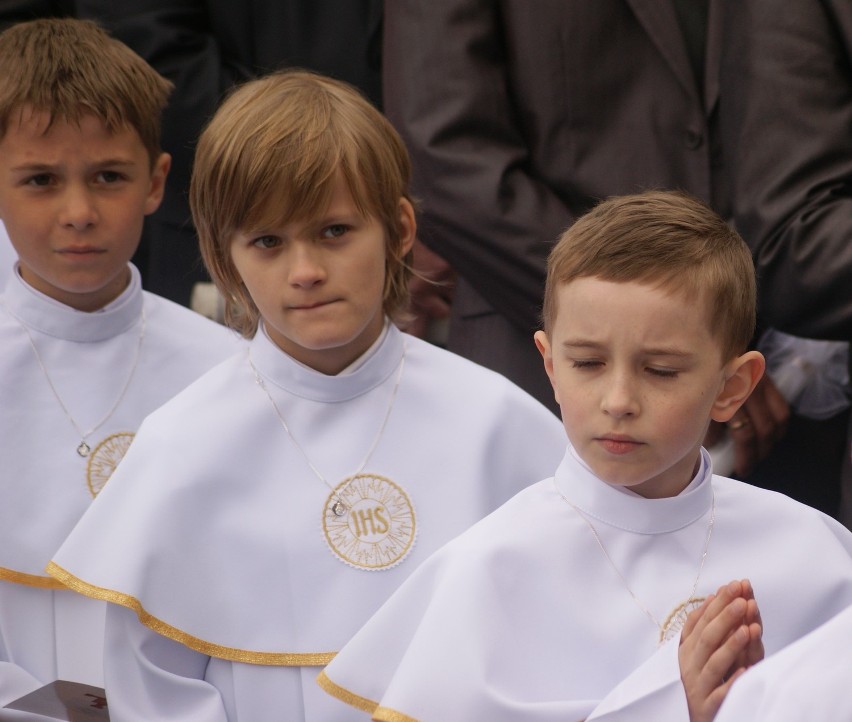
[
  {"x": 542, "y": 343},
  {"x": 741, "y": 376},
  {"x": 407, "y": 225},
  {"x": 159, "y": 173}
]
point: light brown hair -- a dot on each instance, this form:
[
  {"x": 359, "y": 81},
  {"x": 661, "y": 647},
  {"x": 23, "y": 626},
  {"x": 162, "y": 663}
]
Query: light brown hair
[
  {"x": 270, "y": 155},
  {"x": 665, "y": 239},
  {"x": 69, "y": 68}
]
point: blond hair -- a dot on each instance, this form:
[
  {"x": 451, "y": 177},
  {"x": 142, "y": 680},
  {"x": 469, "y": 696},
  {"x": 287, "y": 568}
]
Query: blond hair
[
  {"x": 666, "y": 239},
  {"x": 270, "y": 155},
  {"x": 69, "y": 68}
]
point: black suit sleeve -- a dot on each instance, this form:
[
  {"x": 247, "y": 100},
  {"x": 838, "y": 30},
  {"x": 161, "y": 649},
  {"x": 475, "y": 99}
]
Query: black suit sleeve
[{"x": 787, "y": 118}]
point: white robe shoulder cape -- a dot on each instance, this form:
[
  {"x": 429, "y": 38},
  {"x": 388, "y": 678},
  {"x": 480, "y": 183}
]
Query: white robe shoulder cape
[
  {"x": 45, "y": 630},
  {"x": 809, "y": 680},
  {"x": 524, "y": 618},
  {"x": 221, "y": 537}
]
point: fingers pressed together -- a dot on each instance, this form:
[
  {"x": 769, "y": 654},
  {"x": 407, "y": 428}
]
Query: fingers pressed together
[{"x": 720, "y": 640}]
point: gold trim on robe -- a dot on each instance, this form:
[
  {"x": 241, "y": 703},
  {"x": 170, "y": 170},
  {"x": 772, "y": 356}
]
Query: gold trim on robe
[
  {"x": 382, "y": 714},
  {"x": 30, "y": 580},
  {"x": 343, "y": 694},
  {"x": 275, "y": 659}
]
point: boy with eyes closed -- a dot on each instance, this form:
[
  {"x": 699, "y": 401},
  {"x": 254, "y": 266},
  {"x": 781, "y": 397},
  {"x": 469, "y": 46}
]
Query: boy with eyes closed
[{"x": 627, "y": 586}]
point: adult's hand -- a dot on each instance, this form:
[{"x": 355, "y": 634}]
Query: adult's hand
[{"x": 758, "y": 426}]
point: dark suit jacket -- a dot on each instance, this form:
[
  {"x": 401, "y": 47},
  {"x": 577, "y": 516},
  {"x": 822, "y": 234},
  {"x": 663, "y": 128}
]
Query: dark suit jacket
[
  {"x": 204, "y": 48},
  {"x": 519, "y": 115},
  {"x": 788, "y": 122}
]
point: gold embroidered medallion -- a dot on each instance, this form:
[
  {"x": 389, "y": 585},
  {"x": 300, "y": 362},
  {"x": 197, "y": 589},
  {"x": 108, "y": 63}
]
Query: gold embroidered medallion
[
  {"x": 677, "y": 618},
  {"x": 377, "y": 530},
  {"x": 104, "y": 459}
]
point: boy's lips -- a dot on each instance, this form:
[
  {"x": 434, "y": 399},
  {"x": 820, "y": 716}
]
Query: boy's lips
[
  {"x": 80, "y": 250},
  {"x": 311, "y": 305},
  {"x": 618, "y": 443}
]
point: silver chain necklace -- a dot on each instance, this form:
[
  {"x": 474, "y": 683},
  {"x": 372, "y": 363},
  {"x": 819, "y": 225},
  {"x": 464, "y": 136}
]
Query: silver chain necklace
[
  {"x": 660, "y": 627},
  {"x": 339, "y": 508},
  {"x": 83, "y": 448}
]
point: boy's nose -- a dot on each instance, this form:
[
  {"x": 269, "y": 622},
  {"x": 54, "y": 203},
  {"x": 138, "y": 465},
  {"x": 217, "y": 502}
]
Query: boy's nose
[
  {"x": 306, "y": 267},
  {"x": 78, "y": 209},
  {"x": 620, "y": 398}
]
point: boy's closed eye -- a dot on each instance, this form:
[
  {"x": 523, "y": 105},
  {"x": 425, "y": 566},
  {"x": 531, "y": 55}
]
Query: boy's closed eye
[
  {"x": 584, "y": 363},
  {"x": 666, "y": 373}
]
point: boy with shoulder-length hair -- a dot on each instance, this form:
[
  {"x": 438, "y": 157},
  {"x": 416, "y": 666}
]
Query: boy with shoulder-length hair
[
  {"x": 305, "y": 480},
  {"x": 627, "y": 585},
  {"x": 86, "y": 353},
  {"x": 326, "y": 134}
]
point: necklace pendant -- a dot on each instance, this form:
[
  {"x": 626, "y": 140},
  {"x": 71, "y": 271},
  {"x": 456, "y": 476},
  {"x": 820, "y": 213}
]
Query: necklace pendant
[
  {"x": 83, "y": 449},
  {"x": 339, "y": 508}
]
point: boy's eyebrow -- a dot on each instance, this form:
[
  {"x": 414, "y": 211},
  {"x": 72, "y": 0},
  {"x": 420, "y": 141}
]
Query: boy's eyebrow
[
  {"x": 116, "y": 161},
  {"x": 581, "y": 343},
  {"x": 37, "y": 166},
  {"x": 679, "y": 352},
  {"x": 652, "y": 351},
  {"x": 338, "y": 216},
  {"x": 32, "y": 166}
]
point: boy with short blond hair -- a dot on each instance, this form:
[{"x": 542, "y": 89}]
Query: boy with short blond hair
[
  {"x": 87, "y": 354},
  {"x": 306, "y": 479},
  {"x": 627, "y": 586}
]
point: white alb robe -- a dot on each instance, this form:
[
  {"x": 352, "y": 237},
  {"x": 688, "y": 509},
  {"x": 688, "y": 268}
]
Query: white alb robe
[
  {"x": 217, "y": 521},
  {"x": 524, "y": 618},
  {"x": 809, "y": 680},
  {"x": 47, "y": 632}
]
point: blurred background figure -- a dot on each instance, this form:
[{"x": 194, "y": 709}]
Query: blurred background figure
[{"x": 787, "y": 120}]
